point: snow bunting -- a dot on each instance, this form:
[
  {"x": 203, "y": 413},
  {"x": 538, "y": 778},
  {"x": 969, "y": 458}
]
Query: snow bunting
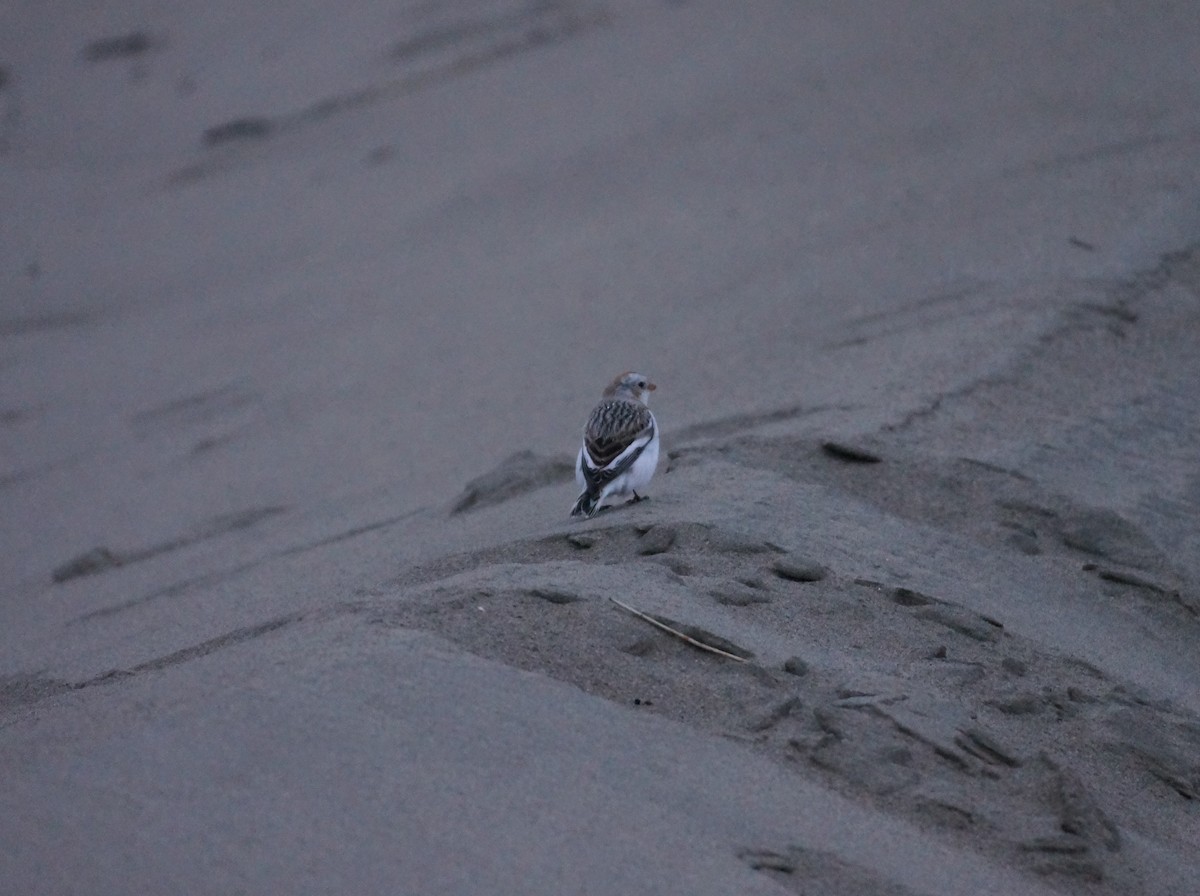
[{"x": 620, "y": 445}]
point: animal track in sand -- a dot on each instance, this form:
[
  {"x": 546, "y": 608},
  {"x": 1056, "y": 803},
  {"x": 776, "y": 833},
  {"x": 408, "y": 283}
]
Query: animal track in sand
[
  {"x": 901, "y": 697},
  {"x": 433, "y": 53},
  {"x": 18, "y": 692},
  {"x": 101, "y": 559}
]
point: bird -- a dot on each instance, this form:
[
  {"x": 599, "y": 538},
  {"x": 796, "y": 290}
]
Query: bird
[{"x": 620, "y": 445}]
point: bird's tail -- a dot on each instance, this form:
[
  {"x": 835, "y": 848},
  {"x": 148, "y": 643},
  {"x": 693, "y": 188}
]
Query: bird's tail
[{"x": 586, "y": 505}]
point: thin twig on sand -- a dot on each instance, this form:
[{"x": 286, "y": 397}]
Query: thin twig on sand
[{"x": 678, "y": 634}]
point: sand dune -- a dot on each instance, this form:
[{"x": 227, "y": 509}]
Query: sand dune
[{"x": 301, "y": 312}]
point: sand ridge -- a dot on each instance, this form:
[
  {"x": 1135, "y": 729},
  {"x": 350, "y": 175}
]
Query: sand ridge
[{"x": 301, "y": 310}]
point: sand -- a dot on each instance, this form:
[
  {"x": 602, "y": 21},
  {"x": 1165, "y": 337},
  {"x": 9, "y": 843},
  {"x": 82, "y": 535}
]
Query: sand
[{"x": 301, "y": 313}]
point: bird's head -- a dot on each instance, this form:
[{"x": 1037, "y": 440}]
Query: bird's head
[{"x": 630, "y": 385}]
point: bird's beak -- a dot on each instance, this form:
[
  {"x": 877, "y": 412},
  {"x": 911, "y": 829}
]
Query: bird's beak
[{"x": 650, "y": 387}]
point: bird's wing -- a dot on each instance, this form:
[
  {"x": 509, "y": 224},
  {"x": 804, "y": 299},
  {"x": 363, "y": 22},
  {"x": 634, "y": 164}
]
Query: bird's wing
[{"x": 616, "y": 435}]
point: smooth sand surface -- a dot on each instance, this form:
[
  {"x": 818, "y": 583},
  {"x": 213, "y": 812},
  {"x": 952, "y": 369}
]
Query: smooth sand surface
[{"x": 302, "y": 309}]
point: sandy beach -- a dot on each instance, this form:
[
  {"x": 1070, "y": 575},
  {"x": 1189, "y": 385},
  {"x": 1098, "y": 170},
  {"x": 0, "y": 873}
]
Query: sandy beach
[{"x": 302, "y": 311}]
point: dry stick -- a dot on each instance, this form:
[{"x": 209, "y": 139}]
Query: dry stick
[{"x": 678, "y": 634}]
